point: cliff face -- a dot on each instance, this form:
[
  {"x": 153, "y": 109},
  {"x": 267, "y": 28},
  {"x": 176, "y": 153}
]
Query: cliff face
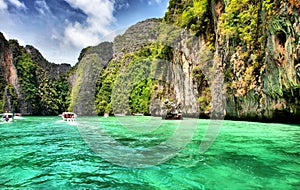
[
  {"x": 52, "y": 69},
  {"x": 8, "y": 75},
  {"x": 238, "y": 58},
  {"x": 84, "y": 79},
  {"x": 155, "y": 62},
  {"x": 7, "y": 68},
  {"x": 260, "y": 58},
  {"x": 29, "y": 83}
]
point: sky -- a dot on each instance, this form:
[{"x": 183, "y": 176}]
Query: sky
[{"x": 60, "y": 29}]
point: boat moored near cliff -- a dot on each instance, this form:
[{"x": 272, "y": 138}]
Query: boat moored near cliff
[
  {"x": 68, "y": 116},
  {"x": 7, "y": 117},
  {"x": 171, "y": 110}
]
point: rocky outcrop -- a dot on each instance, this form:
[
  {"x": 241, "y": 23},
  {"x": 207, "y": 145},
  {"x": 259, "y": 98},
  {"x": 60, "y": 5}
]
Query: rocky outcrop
[
  {"x": 85, "y": 78},
  {"x": 261, "y": 73},
  {"x": 28, "y": 80},
  {"x": 8, "y": 74},
  {"x": 136, "y": 37},
  {"x": 171, "y": 111},
  {"x": 252, "y": 74},
  {"x": 52, "y": 69},
  {"x": 8, "y": 69},
  {"x": 172, "y": 66}
]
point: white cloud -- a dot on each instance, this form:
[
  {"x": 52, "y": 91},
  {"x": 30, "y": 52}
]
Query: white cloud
[
  {"x": 18, "y": 4},
  {"x": 151, "y": 2},
  {"x": 42, "y": 7},
  {"x": 79, "y": 35},
  {"x": 121, "y": 4},
  {"x": 3, "y": 5},
  {"x": 62, "y": 40},
  {"x": 99, "y": 18}
]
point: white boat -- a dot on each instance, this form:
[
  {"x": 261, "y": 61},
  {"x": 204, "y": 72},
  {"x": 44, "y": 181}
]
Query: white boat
[
  {"x": 68, "y": 116},
  {"x": 119, "y": 114},
  {"x": 18, "y": 116},
  {"x": 138, "y": 114},
  {"x": 7, "y": 117}
]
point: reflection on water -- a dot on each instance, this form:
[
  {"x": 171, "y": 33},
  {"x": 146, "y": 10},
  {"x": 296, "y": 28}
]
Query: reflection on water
[{"x": 43, "y": 153}]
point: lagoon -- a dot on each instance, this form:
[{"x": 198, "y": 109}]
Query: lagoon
[{"x": 46, "y": 153}]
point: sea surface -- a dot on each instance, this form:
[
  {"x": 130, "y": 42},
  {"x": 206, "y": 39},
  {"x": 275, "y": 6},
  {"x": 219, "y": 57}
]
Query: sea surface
[{"x": 147, "y": 153}]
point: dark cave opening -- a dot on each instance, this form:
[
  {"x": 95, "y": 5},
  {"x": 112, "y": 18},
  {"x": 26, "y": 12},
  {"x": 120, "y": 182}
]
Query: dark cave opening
[{"x": 280, "y": 38}]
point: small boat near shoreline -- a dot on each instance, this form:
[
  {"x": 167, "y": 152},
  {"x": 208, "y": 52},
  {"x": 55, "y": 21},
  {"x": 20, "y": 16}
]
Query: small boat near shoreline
[
  {"x": 68, "y": 116},
  {"x": 18, "y": 116},
  {"x": 7, "y": 117},
  {"x": 119, "y": 114},
  {"x": 138, "y": 114}
]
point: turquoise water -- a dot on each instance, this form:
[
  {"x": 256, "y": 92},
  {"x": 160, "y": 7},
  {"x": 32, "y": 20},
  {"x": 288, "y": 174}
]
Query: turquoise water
[{"x": 45, "y": 153}]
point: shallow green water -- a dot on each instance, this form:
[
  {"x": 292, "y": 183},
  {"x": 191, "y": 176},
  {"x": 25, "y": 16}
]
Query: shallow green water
[{"x": 45, "y": 153}]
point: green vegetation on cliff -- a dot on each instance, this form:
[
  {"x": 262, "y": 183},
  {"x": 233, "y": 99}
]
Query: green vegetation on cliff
[
  {"x": 105, "y": 85},
  {"x": 28, "y": 81},
  {"x": 3, "y": 84},
  {"x": 255, "y": 44},
  {"x": 40, "y": 93},
  {"x": 129, "y": 81},
  {"x": 54, "y": 94},
  {"x": 260, "y": 39},
  {"x": 141, "y": 96},
  {"x": 10, "y": 100},
  {"x": 193, "y": 15}
]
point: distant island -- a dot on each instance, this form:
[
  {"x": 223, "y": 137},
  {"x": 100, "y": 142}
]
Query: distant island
[{"x": 240, "y": 61}]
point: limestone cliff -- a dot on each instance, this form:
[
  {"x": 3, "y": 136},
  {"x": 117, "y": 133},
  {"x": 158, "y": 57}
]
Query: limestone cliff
[
  {"x": 85, "y": 77},
  {"x": 162, "y": 53},
  {"x": 238, "y": 58},
  {"x": 29, "y": 83},
  {"x": 52, "y": 69},
  {"x": 8, "y": 74},
  {"x": 260, "y": 57}
]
